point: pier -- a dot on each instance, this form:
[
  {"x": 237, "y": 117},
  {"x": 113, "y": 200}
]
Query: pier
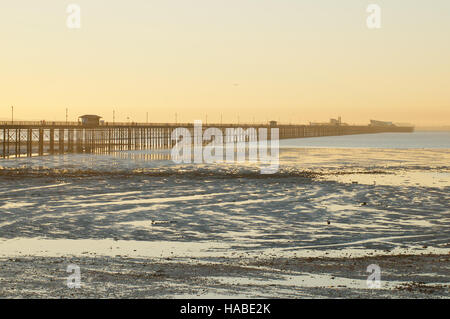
[{"x": 18, "y": 139}]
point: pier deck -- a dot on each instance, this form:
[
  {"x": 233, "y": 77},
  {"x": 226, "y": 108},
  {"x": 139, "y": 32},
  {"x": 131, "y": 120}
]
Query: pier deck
[{"x": 42, "y": 138}]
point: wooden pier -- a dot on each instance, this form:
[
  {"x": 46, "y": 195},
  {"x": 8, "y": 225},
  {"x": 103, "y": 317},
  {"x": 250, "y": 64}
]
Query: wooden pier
[{"x": 19, "y": 139}]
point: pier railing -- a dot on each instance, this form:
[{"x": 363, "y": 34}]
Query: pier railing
[
  {"x": 28, "y": 138},
  {"x": 122, "y": 124}
]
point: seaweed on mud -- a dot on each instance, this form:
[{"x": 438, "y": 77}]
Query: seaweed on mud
[
  {"x": 161, "y": 172},
  {"x": 422, "y": 287}
]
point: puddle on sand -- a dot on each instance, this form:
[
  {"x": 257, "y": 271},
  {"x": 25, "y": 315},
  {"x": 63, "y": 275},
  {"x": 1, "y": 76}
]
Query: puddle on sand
[
  {"x": 162, "y": 249},
  {"x": 109, "y": 247},
  {"x": 11, "y": 205},
  {"x": 305, "y": 280},
  {"x": 401, "y": 178}
]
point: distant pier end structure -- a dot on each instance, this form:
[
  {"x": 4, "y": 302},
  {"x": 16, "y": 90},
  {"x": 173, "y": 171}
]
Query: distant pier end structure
[
  {"x": 92, "y": 135},
  {"x": 400, "y": 126},
  {"x": 381, "y": 123}
]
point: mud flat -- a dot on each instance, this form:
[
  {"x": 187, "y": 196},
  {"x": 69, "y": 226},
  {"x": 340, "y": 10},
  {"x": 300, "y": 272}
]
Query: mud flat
[
  {"x": 403, "y": 276},
  {"x": 153, "y": 229}
]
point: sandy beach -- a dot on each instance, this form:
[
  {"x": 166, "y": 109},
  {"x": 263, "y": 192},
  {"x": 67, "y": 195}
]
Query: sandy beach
[{"x": 153, "y": 229}]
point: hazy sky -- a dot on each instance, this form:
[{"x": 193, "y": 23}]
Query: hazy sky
[{"x": 288, "y": 60}]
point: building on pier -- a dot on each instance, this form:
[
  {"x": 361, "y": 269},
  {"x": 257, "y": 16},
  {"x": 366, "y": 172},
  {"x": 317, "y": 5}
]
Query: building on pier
[{"x": 90, "y": 120}]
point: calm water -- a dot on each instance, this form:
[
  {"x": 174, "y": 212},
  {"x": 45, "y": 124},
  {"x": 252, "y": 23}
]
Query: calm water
[
  {"x": 422, "y": 151},
  {"x": 416, "y": 140}
]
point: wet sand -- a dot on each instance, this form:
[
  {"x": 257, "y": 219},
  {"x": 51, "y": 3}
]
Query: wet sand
[
  {"x": 157, "y": 230},
  {"x": 403, "y": 276}
]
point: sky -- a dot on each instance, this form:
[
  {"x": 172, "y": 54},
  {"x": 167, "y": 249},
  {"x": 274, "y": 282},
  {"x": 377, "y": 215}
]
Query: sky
[{"x": 237, "y": 60}]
